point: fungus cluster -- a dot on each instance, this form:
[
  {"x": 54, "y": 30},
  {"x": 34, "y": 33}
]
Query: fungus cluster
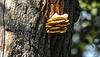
[{"x": 57, "y": 23}]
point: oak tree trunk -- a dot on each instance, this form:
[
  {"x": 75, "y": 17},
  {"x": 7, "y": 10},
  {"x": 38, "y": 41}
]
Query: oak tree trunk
[{"x": 25, "y": 31}]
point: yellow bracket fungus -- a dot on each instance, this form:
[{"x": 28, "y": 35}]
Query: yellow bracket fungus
[{"x": 57, "y": 23}]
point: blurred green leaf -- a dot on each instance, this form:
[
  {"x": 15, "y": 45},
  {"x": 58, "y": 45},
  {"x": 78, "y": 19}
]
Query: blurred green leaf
[
  {"x": 85, "y": 24},
  {"x": 86, "y": 1},
  {"x": 89, "y": 38},
  {"x": 98, "y": 4},
  {"x": 94, "y": 3},
  {"x": 83, "y": 5},
  {"x": 94, "y": 11},
  {"x": 82, "y": 46},
  {"x": 89, "y": 7},
  {"x": 80, "y": 1}
]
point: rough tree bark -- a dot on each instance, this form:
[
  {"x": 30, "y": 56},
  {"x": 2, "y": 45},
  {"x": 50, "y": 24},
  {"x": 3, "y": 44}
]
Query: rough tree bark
[{"x": 25, "y": 25}]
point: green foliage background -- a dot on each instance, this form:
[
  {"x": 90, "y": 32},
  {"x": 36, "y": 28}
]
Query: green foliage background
[{"x": 87, "y": 28}]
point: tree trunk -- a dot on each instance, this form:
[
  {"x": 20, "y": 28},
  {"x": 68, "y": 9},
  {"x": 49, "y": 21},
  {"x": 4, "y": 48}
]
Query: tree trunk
[
  {"x": 1, "y": 28},
  {"x": 25, "y": 31}
]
